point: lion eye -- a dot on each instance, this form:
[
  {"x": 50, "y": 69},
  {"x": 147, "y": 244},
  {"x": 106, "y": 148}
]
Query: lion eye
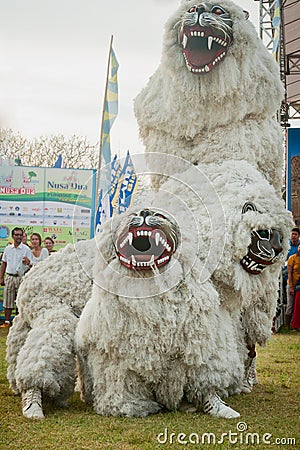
[
  {"x": 217, "y": 10},
  {"x": 264, "y": 234},
  {"x": 159, "y": 215},
  {"x": 248, "y": 206}
]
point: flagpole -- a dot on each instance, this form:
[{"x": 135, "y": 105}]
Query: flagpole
[{"x": 102, "y": 123}]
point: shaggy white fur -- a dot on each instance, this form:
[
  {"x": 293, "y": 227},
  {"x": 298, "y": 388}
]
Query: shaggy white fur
[
  {"x": 228, "y": 113},
  {"x": 40, "y": 344},
  {"x": 140, "y": 349},
  {"x": 166, "y": 337}
]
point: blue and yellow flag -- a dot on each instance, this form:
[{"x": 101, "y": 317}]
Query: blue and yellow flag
[
  {"x": 276, "y": 26},
  {"x": 110, "y": 109},
  {"x": 128, "y": 184}
]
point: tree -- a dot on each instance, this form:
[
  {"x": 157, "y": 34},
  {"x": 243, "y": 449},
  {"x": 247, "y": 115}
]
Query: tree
[{"x": 43, "y": 151}]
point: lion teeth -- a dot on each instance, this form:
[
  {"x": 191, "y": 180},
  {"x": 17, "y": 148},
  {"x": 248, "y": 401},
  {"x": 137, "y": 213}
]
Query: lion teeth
[
  {"x": 133, "y": 260},
  {"x": 206, "y": 68},
  {"x": 130, "y": 238},
  {"x": 125, "y": 260},
  {"x": 165, "y": 258},
  {"x": 157, "y": 238},
  {"x": 209, "y": 42},
  {"x": 184, "y": 40}
]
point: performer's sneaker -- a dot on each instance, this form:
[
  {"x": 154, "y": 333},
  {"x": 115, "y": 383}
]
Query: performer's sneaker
[
  {"x": 215, "y": 407},
  {"x": 5, "y": 325},
  {"x": 32, "y": 404}
]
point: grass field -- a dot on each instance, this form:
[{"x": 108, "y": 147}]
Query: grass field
[{"x": 271, "y": 413}]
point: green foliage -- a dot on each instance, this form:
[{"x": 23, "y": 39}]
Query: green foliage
[{"x": 272, "y": 408}]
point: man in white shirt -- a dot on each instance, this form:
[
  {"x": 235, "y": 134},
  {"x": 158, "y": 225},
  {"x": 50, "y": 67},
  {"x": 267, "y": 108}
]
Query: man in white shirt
[{"x": 14, "y": 256}]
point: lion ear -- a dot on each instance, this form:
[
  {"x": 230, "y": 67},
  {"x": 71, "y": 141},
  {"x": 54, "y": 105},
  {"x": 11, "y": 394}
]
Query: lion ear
[{"x": 246, "y": 14}]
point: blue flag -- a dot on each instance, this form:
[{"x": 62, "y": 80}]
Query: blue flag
[
  {"x": 58, "y": 163},
  {"x": 128, "y": 184}
]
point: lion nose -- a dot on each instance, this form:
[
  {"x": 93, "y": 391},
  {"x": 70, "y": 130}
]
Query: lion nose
[
  {"x": 145, "y": 212},
  {"x": 201, "y": 8},
  {"x": 275, "y": 241}
]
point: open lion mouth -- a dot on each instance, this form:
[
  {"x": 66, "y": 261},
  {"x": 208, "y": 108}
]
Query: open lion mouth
[
  {"x": 202, "y": 49},
  {"x": 205, "y": 36},
  {"x": 263, "y": 251},
  {"x": 147, "y": 243}
]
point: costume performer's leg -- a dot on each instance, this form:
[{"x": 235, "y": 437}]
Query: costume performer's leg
[
  {"x": 15, "y": 340},
  {"x": 116, "y": 391},
  {"x": 46, "y": 363}
]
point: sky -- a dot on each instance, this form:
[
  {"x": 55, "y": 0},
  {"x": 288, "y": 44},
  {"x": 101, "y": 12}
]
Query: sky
[{"x": 53, "y": 62}]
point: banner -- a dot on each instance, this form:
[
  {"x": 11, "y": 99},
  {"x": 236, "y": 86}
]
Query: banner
[
  {"x": 53, "y": 202},
  {"x": 276, "y": 26}
]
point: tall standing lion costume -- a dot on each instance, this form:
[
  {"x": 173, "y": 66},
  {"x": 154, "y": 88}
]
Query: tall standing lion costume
[{"x": 215, "y": 93}]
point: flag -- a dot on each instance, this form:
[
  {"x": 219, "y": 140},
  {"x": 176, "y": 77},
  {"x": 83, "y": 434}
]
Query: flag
[
  {"x": 18, "y": 161},
  {"x": 128, "y": 184},
  {"x": 110, "y": 112},
  {"x": 103, "y": 211},
  {"x": 116, "y": 171},
  {"x": 59, "y": 162},
  {"x": 276, "y": 26},
  {"x": 108, "y": 203}
]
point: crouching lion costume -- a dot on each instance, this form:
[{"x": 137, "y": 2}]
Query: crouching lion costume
[{"x": 146, "y": 340}]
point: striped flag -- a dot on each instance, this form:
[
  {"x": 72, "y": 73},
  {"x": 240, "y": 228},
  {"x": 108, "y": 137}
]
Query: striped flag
[
  {"x": 109, "y": 114},
  {"x": 276, "y": 26},
  {"x": 106, "y": 174},
  {"x": 128, "y": 185}
]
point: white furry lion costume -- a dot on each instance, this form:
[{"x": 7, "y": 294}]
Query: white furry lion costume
[
  {"x": 209, "y": 105},
  {"x": 40, "y": 344},
  {"x": 144, "y": 342}
]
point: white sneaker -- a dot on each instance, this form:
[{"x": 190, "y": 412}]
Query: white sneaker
[
  {"x": 32, "y": 404},
  {"x": 215, "y": 407}
]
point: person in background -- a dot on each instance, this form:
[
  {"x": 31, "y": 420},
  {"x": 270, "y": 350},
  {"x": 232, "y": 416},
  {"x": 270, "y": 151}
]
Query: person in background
[
  {"x": 38, "y": 252},
  {"x": 49, "y": 243},
  {"x": 293, "y": 266},
  {"x": 24, "y": 239},
  {"x": 294, "y": 241},
  {"x": 15, "y": 257}
]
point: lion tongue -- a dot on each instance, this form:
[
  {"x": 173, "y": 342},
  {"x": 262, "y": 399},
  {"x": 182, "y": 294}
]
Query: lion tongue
[{"x": 200, "y": 58}]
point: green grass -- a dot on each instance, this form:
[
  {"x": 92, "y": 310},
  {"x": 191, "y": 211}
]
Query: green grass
[{"x": 273, "y": 407}]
